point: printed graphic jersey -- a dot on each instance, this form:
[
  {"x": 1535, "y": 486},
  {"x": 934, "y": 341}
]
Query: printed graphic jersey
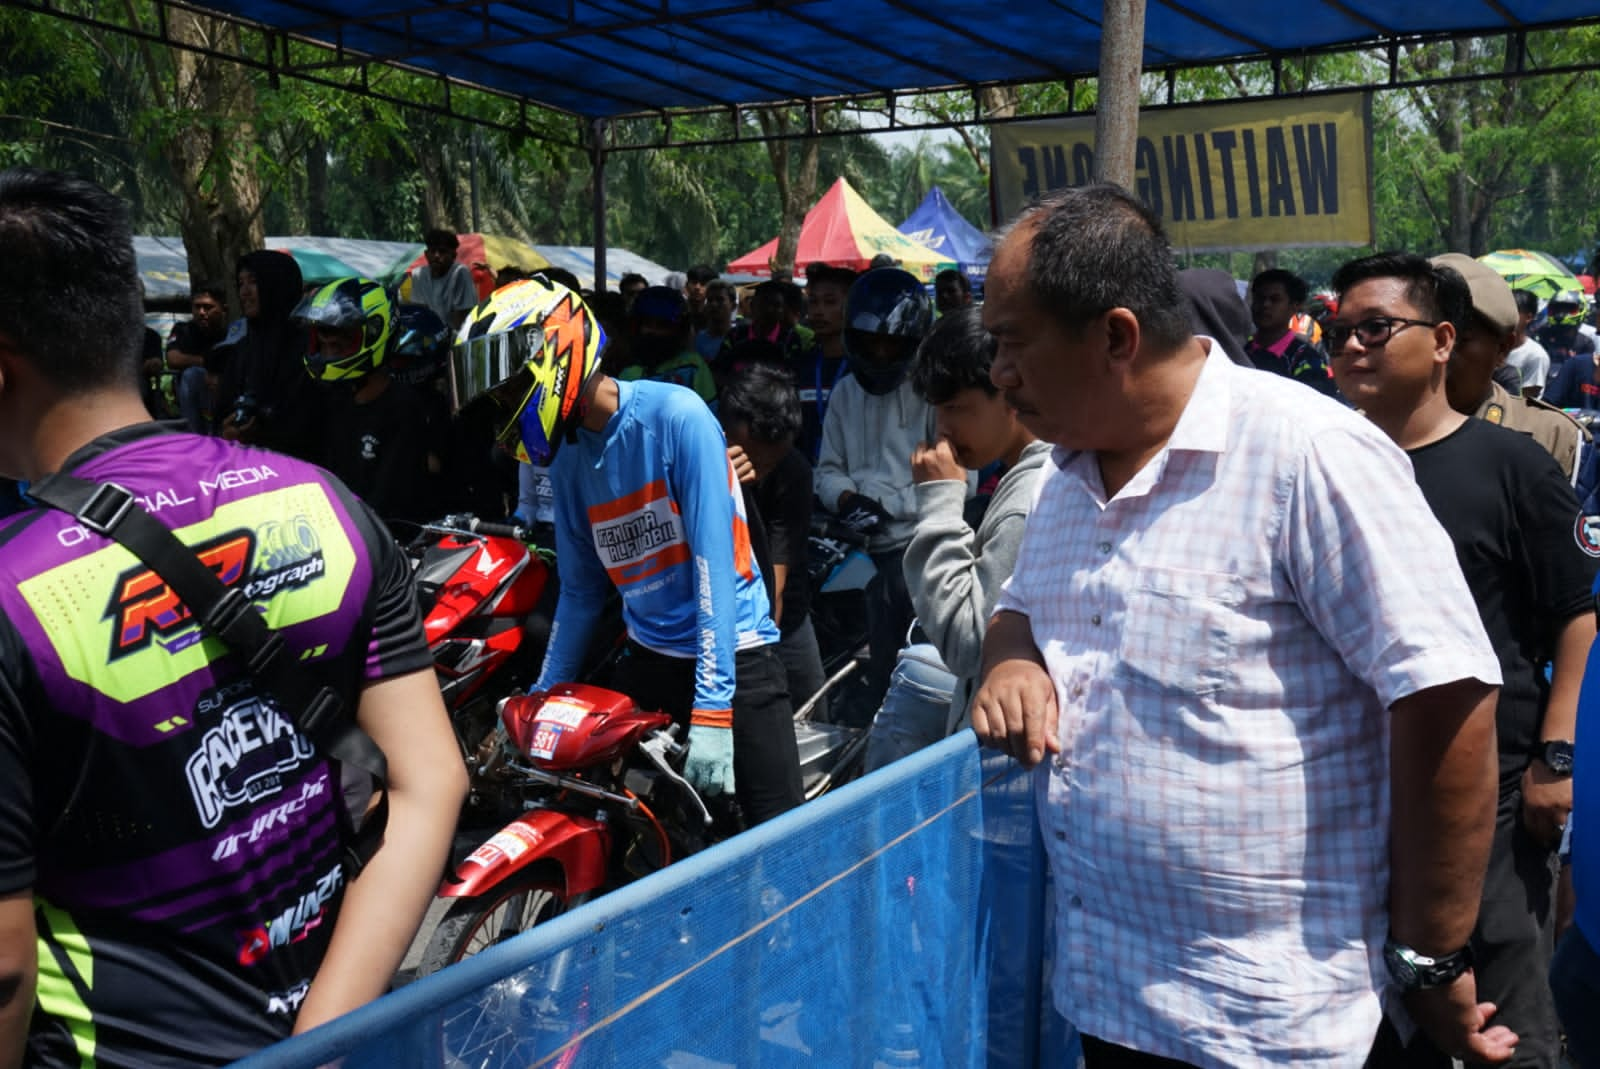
[
  {"x": 687, "y": 369},
  {"x": 179, "y": 834},
  {"x": 650, "y": 505}
]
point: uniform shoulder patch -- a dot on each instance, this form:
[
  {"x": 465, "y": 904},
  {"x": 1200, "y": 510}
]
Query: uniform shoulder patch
[{"x": 1586, "y": 533}]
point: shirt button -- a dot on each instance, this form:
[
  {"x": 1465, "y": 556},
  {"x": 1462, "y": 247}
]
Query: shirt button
[
  {"x": 1104, "y": 547},
  {"x": 1061, "y": 836},
  {"x": 1095, "y": 619},
  {"x": 1076, "y": 902}
]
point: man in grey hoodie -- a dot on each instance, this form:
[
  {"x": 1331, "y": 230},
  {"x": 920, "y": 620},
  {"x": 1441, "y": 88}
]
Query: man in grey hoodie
[
  {"x": 956, "y": 561},
  {"x": 863, "y": 475}
]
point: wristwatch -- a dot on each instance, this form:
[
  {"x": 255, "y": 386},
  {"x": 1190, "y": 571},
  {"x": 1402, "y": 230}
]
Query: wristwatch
[
  {"x": 1412, "y": 971},
  {"x": 1557, "y": 756}
]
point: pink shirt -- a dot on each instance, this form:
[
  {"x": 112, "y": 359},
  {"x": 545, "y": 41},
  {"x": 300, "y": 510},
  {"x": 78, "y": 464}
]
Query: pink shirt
[{"x": 1226, "y": 636}]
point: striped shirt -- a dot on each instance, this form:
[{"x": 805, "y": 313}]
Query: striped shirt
[{"x": 1225, "y": 636}]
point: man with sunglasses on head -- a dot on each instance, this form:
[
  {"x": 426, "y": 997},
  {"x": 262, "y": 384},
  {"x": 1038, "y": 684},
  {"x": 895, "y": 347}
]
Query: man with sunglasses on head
[{"x": 1529, "y": 561}]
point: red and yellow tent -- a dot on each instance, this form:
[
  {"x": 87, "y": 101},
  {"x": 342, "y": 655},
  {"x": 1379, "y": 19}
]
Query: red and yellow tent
[{"x": 841, "y": 229}]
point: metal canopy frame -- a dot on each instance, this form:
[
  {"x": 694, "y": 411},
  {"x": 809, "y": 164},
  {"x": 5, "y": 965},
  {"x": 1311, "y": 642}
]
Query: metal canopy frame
[{"x": 317, "y": 52}]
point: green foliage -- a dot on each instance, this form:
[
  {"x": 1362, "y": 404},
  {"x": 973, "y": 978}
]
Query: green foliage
[{"x": 1490, "y": 163}]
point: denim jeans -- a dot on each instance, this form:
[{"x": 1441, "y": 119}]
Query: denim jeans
[
  {"x": 916, "y": 708},
  {"x": 194, "y": 399},
  {"x": 1575, "y": 982}
]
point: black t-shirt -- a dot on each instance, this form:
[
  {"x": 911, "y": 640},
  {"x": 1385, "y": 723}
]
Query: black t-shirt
[
  {"x": 784, "y": 497},
  {"x": 185, "y": 337},
  {"x": 379, "y": 449},
  {"x": 1527, "y": 557}
]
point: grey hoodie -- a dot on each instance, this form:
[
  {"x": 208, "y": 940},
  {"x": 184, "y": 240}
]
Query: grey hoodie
[
  {"x": 867, "y": 441},
  {"x": 954, "y": 573}
]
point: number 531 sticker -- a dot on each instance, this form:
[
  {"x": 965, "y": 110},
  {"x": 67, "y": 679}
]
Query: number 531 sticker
[{"x": 545, "y": 740}]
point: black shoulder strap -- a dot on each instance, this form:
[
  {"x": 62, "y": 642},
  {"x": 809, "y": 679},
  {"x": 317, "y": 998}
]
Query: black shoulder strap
[{"x": 316, "y": 709}]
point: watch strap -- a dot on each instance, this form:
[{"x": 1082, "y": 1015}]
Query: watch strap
[{"x": 1415, "y": 971}]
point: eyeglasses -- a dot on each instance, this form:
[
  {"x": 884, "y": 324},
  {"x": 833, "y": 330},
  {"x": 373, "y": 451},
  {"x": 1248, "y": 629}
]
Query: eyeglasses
[{"x": 1371, "y": 333}]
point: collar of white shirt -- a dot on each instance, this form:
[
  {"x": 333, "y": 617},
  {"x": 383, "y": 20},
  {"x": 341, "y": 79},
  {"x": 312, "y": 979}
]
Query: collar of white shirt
[{"x": 1202, "y": 428}]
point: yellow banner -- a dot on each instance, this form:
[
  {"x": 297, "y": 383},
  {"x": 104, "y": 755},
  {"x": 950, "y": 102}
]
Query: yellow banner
[{"x": 1268, "y": 174}]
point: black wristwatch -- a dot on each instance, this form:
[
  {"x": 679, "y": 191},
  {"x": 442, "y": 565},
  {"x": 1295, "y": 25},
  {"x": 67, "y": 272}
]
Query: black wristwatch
[
  {"x": 1557, "y": 756},
  {"x": 1412, "y": 971}
]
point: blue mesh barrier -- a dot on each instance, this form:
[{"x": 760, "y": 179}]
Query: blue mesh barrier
[{"x": 899, "y": 921}]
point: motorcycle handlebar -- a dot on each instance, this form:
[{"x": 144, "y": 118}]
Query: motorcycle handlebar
[
  {"x": 501, "y": 530},
  {"x": 467, "y": 522}
]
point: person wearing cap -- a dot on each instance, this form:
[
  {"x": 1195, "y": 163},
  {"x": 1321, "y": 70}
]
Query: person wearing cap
[
  {"x": 1530, "y": 561},
  {"x": 1481, "y": 347}
]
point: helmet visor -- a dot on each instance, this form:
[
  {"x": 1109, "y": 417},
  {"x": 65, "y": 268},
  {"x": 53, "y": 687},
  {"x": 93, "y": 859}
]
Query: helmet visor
[
  {"x": 496, "y": 366},
  {"x": 332, "y": 344},
  {"x": 486, "y": 363}
]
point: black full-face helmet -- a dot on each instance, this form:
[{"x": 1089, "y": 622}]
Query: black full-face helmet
[{"x": 886, "y": 315}]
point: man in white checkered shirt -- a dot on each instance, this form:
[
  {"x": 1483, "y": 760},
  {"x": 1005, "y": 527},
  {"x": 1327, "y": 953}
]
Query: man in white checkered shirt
[{"x": 1231, "y": 608}]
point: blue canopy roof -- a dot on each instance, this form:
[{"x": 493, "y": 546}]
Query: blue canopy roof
[
  {"x": 938, "y": 225},
  {"x": 609, "y": 57}
]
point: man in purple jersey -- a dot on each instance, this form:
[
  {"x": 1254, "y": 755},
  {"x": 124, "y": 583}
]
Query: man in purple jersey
[{"x": 172, "y": 890}]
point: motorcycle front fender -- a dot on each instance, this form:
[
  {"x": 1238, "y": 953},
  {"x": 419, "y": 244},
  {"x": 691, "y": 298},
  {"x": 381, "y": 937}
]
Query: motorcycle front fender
[{"x": 578, "y": 846}]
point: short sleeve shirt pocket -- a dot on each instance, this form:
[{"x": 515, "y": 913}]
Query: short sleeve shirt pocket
[{"x": 1175, "y": 633}]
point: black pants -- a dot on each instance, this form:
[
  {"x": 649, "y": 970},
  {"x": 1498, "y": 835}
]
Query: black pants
[
  {"x": 766, "y": 762},
  {"x": 803, "y": 664},
  {"x": 1098, "y": 1054},
  {"x": 889, "y": 616}
]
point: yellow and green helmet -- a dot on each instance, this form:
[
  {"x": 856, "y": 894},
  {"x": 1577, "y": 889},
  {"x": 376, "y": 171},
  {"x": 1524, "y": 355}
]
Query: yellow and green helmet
[{"x": 348, "y": 323}]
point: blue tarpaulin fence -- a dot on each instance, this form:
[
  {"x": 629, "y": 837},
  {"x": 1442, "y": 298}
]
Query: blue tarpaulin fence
[{"x": 899, "y": 921}]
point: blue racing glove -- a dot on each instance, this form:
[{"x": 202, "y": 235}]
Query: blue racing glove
[{"x": 709, "y": 765}]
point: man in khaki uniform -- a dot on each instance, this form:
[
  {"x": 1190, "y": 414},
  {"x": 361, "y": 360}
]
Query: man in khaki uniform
[{"x": 1481, "y": 348}]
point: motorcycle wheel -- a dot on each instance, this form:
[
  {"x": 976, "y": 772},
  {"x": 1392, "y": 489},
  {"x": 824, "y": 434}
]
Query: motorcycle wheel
[
  {"x": 473, "y": 925},
  {"x": 530, "y": 1016}
]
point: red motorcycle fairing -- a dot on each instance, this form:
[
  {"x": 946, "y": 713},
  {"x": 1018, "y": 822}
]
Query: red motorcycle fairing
[
  {"x": 577, "y": 725},
  {"x": 577, "y": 844},
  {"x": 480, "y": 574}
]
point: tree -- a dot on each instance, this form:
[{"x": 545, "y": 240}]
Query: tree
[{"x": 796, "y": 175}]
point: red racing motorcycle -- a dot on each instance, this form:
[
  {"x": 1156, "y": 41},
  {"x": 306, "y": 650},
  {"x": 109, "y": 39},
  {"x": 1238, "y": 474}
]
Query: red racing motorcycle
[
  {"x": 485, "y": 612},
  {"x": 606, "y": 803}
]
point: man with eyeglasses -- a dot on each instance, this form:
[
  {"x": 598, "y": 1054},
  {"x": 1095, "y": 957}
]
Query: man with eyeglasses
[{"x": 1530, "y": 561}]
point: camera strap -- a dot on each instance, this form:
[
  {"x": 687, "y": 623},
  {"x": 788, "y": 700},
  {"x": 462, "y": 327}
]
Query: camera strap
[{"x": 314, "y": 706}]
